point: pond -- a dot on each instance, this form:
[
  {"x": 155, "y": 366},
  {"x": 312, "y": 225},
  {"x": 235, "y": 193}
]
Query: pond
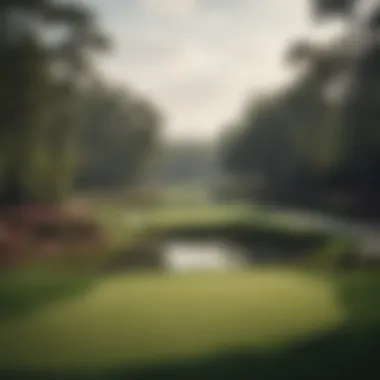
[
  {"x": 184, "y": 254},
  {"x": 198, "y": 256},
  {"x": 220, "y": 255}
]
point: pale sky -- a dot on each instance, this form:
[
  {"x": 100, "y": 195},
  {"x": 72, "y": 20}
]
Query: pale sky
[{"x": 199, "y": 60}]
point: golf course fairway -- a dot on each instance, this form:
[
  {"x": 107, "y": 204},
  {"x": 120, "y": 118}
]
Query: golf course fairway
[{"x": 149, "y": 318}]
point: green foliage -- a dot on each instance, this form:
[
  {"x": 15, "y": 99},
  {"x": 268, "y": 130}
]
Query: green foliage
[
  {"x": 185, "y": 162},
  {"x": 120, "y": 135},
  {"x": 332, "y": 255},
  {"x": 281, "y": 141},
  {"x": 305, "y": 147},
  {"x": 38, "y": 98},
  {"x": 53, "y": 115}
]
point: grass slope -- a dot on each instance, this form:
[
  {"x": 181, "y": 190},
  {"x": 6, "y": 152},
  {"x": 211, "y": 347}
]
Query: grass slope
[
  {"x": 150, "y": 318},
  {"x": 293, "y": 325}
]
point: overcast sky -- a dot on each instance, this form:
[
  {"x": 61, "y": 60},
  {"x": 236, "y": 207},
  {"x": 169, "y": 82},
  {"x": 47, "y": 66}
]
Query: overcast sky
[{"x": 199, "y": 60}]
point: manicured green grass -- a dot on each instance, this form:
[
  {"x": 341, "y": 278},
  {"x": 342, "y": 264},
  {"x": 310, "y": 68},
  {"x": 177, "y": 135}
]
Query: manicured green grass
[
  {"x": 273, "y": 324},
  {"x": 129, "y": 227},
  {"x": 23, "y": 291},
  {"x": 206, "y": 216},
  {"x": 144, "y": 319},
  {"x": 223, "y": 215}
]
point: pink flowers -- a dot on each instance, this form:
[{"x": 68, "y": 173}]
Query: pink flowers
[{"x": 31, "y": 232}]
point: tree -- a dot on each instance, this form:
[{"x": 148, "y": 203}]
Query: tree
[
  {"x": 120, "y": 135},
  {"x": 39, "y": 87},
  {"x": 286, "y": 139},
  {"x": 185, "y": 162},
  {"x": 331, "y": 8},
  {"x": 360, "y": 163},
  {"x": 322, "y": 144}
]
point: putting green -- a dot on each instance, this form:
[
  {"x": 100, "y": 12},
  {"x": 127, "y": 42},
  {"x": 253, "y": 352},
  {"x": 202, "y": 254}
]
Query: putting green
[{"x": 150, "y": 317}]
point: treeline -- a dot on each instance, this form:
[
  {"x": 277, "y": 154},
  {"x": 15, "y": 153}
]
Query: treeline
[
  {"x": 181, "y": 162},
  {"x": 316, "y": 143},
  {"x": 62, "y": 127}
]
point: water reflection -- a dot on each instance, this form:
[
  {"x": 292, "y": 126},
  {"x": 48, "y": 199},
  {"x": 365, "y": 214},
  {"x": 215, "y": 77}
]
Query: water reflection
[{"x": 184, "y": 257}]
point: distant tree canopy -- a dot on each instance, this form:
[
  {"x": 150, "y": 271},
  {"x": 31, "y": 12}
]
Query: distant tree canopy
[
  {"x": 120, "y": 135},
  {"x": 49, "y": 115},
  {"x": 308, "y": 141},
  {"x": 328, "y": 8},
  {"x": 185, "y": 162}
]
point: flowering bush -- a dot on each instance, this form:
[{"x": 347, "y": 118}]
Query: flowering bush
[{"x": 29, "y": 232}]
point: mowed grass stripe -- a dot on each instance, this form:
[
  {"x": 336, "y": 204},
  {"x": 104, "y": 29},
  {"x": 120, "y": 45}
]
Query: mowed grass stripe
[{"x": 144, "y": 319}]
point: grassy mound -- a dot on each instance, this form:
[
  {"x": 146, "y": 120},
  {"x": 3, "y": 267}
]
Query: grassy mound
[{"x": 273, "y": 324}]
